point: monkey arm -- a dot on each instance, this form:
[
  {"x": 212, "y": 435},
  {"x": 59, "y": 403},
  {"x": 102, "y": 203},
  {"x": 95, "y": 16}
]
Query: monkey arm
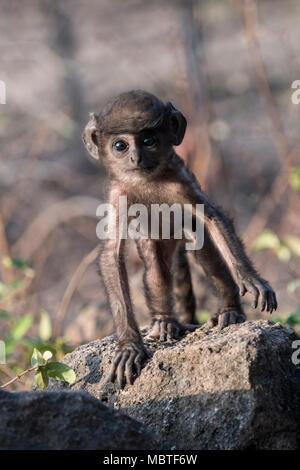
[{"x": 223, "y": 234}]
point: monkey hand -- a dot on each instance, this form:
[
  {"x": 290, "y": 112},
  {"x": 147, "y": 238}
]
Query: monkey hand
[
  {"x": 127, "y": 363},
  {"x": 260, "y": 290},
  {"x": 168, "y": 327}
]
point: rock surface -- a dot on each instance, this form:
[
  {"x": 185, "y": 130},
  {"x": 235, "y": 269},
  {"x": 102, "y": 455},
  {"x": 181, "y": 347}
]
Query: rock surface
[
  {"x": 234, "y": 389},
  {"x": 66, "y": 420}
]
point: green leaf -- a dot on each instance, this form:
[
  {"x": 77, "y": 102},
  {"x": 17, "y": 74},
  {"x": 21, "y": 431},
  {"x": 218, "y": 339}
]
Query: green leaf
[
  {"x": 16, "y": 283},
  {"x": 47, "y": 355},
  {"x": 45, "y": 376},
  {"x": 41, "y": 378},
  {"x": 45, "y": 326},
  {"x": 10, "y": 345},
  {"x": 60, "y": 371},
  {"x": 5, "y": 314},
  {"x": 18, "y": 263},
  {"x": 293, "y": 319},
  {"x": 21, "y": 327},
  {"x": 203, "y": 316},
  {"x": 267, "y": 239},
  {"x": 37, "y": 358},
  {"x": 281, "y": 320},
  {"x": 295, "y": 178}
]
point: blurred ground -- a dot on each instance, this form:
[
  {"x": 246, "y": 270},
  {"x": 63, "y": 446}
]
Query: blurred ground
[{"x": 61, "y": 60}]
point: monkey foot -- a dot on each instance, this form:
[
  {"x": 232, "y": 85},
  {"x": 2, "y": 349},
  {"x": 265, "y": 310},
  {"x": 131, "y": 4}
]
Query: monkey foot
[
  {"x": 227, "y": 318},
  {"x": 166, "y": 327},
  {"x": 127, "y": 364}
]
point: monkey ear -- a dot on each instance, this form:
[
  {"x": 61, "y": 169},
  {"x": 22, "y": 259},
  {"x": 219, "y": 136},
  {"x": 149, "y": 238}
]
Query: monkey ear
[
  {"x": 89, "y": 136},
  {"x": 177, "y": 123}
]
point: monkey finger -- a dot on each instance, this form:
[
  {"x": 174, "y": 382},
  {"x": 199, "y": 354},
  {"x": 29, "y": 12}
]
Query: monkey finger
[
  {"x": 241, "y": 318},
  {"x": 233, "y": 318},
  {"x": 269, "y": 302},
  {"x": 154, "y": 331},
  {"x": 256, "y": 295},
  {"x": 121, "y": 369},
  {"x": 223, "y": 320},
  {"x": 263, "y": 302},
  {"x": 129, "y": 368},
  {"x": 179, "y": 330},
  {"x": 243, "y": 290},
  {"x": 170, "y": 331},
  {"x": 275, "y": 301},
  {"x": 162, "y": 331},
  {"x": 138, "y": 364},
  {"x": 255, "y": 292},
  {"x": 112, "y": 375}
]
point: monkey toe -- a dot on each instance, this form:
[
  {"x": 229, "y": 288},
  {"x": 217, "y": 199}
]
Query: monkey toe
[{"x": 230, "y": 317}]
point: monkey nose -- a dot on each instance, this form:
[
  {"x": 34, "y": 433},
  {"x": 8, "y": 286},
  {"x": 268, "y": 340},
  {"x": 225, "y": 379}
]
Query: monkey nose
[{"x": 135, "y": 159}]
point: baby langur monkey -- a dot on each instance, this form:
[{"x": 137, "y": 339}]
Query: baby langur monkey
[{"x": 134, "y": 137}]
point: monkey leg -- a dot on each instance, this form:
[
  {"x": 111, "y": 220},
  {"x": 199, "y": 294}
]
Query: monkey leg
[
  {"x": 217, "y": 271},
  {"x": 157, "y": 258},
  {"x": 184, "y": 299}
]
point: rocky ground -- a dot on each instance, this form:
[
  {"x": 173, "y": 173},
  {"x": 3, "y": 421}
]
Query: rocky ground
[
  {"x": 67, "y": 420},
  {"x": 234, "y": 389}
]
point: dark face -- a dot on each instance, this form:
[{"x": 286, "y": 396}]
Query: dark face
[{"x": 144, "y": 155}]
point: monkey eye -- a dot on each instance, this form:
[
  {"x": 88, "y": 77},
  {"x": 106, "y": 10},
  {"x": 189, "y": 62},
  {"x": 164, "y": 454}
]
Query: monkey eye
[
  {"x": 120, "y": 145},
  {"x": 149, "y": 141}
]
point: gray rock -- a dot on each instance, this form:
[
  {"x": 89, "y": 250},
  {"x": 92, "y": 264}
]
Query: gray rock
[
  {"x": 66, "y": 420},
  {"x": 234, "y": 389}
]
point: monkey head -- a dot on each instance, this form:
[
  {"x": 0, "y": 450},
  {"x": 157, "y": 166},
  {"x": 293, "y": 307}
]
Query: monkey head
[{"x": 134, "y": 135}]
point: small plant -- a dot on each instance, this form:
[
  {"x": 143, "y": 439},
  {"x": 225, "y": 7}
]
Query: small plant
[
  {"x": 44, "y": 370},
  {"x": 292, "y": 320},
  {"x": 20, "y": 346}
]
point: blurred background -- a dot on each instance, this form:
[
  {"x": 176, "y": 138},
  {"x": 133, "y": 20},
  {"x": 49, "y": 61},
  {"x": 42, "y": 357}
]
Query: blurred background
[{"x": 227, "y": 65}]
